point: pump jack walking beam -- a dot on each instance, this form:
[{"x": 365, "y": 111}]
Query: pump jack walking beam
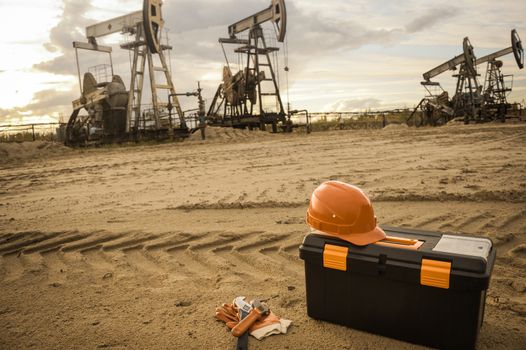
[
  {"x": 126, "y": 23},
  {"x": 467, "y": 58},
  {"x": 515, "y": 48},
  {"x": 276, "y": 13}
]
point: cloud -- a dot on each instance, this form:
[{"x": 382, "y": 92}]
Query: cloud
[
  {"x": 45, "y": 102},
  {"x": 431, "y": 18},
  {"x": 69, "y": 28},
  {"x": 324, "y": 33},
  {"x": 50, "y": 101},
  {"x": 71, "y": 25},
  {"x": 315, "y": 34},
  {"x": 351, "y": 105},
  {"x": 189, "y": 15},
  {"x": 9, "y": 115}
]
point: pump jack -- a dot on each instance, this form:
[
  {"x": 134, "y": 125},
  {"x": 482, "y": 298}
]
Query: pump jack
[
  {"x": 467, "y": 101},
  {"x": 471, "y": 101},
  {"x": 99, "y": 98},
  {"x": 241, "y": 96},
  {"x": 495, "y": 89},
  {"x": 438, "y": 109}
]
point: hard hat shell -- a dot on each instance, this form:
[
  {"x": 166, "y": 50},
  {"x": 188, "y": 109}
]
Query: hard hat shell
[{"x": 344, "y": 211}]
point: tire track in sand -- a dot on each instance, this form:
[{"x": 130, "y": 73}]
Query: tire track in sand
[{"x": 201, "y": 258}]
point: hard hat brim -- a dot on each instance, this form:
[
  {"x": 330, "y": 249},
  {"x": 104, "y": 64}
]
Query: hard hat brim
[{"x": 360, "y": 239}]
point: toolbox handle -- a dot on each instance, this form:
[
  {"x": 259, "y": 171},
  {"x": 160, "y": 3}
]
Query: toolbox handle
[{"x": 400, "y": 242}]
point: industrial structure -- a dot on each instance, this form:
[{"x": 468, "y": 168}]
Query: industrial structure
[
  {"x": 117, "y": 114},
  {"x": 497, "y": 85},
  {"x": 472, "y": 101},
  {"x": 437, "y": 108},
  {"x": 250, "y": 98}
]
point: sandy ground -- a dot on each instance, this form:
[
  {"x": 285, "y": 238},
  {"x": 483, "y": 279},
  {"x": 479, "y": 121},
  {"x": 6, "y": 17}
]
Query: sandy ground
[{"x": 134, "y": 247}]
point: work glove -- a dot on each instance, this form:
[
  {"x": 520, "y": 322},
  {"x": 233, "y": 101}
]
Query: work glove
[{"x": 266, "y": 326}]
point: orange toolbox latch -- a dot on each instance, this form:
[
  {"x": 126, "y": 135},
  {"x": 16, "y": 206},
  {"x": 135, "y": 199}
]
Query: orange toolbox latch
[
  {"x": 434, "y": 273},
  {"x": 335, "y": 257}
]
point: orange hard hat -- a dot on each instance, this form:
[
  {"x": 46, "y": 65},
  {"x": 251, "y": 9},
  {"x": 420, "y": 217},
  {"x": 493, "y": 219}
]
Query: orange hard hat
[{"x": 344, "y": 211}]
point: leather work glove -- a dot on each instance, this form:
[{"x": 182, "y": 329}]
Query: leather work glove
[{"x": 268, "y": 325}]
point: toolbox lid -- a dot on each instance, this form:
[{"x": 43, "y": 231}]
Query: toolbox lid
[
  {"x": 471, "y": 246},
  {"x": 438, "y": 260}
]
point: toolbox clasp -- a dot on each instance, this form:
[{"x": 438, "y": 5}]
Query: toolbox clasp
[
  {"x": 335, "y": 257},
  {"x": 435, "y": 273}
]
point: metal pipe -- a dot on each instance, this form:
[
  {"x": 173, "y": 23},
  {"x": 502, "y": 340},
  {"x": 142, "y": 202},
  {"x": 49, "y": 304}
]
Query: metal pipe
[
  {"x": 78, "y": 70},
  {"x": 111, "y": 64},
  {"x": 224, "y": 53},
  {"x": 307, "y": 117}
]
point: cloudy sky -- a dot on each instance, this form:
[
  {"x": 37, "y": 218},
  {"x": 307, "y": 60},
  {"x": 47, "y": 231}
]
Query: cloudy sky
[{"x": 343, "y": 55}]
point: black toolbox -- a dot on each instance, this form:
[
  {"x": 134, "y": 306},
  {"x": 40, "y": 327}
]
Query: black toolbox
[{"x": 421, "y": 287}]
